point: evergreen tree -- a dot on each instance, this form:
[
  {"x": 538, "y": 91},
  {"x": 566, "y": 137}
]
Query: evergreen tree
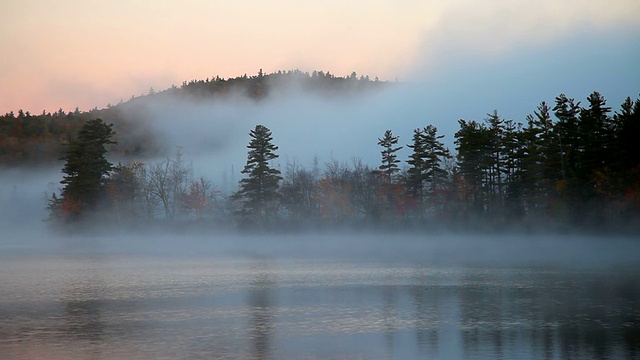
[
  {"x": 416, "y": 172},
  {"x": 259, "y": 190},
  {"x": 627, "y": 132},
  {"x": 391, "y": 193},
  {"x": 566, "y": 110},
  {"x": 435, "y": 154},
  {"x": 595, "y": 137},
  {"x": 86, "y": 169},
  {"x": 426, "y": 166},
  {"x": 497, "y": 168},
  {"x": 549, "y": 148},
  {"x": 595, "y": 156},
  {"x": 474, "y": 158},
  {"x": 513, "y": 162},
  {"x": 389, "y": 158},
  {"x": 541, "y": 160},
  {"x": 627, "y": 166}
]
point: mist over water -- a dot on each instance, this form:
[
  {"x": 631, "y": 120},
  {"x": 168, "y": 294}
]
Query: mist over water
[
  {"x": 202, "y": 288},
  {"x": 319, "y": 297},
  {"x": 305, "y": 125},
  {"x": 213, "y": 134},
  {"x": 23, "y": 199},
  {"x": 186, "y": 289}
]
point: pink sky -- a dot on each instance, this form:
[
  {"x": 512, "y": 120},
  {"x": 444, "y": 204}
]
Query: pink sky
[{"x": 68, "y": 53}]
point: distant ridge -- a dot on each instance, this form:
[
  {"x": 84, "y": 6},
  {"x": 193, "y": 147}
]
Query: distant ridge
[{"x": 28, "y": 139}]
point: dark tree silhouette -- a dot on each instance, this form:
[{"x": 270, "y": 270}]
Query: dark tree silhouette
[
  {"x": 389, "y": 158},
  {"x": 259, "y": 190},
  {"x": 416, "y": 172},
  {"x": 86, "y": 169},
  {"x": 473, "y": 144},
  {"x": 426, "y": 165}
]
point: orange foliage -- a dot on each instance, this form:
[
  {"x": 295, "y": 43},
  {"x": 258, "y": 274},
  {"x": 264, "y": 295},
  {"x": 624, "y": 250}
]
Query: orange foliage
[
  {"x": 197, "y": 198},
  {"x": 70, "y": 208},
  {"x": 335, "y": 199}
]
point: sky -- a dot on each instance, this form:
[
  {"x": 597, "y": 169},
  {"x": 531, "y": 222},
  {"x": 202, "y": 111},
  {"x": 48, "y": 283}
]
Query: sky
[
  {"x": 83, "y": 53},
  {"x": 454, "y": 59}
]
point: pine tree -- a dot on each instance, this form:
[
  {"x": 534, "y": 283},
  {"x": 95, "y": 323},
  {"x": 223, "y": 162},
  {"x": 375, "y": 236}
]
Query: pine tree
[
  {"x": 391, "y": 193},
  {"x": 435, "y": 154},
  {"x": 86, "y": 169},
  {"x": 540, "y": 155},
  {"x": 627, "y": 132},
  {"x": 426, "y": 165},
  {"x": 595, "y": 156},
  {"x": 416, "y": 171},
  {"x": 566, "y": 110},
  {"x": 595, "y": 137},
  {"x": 627, "y": 165},
  {"x": 259, "y": 190},
  {"x": 389, "y": 158},
  {"x": 513, "y": 163},
  {"x": 566, "y": 130},
  {"x": 496, "y": 127},
  {"x": 474, "y": 158}
]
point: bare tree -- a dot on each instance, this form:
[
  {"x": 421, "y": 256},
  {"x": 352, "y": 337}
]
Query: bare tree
[{"x": 168, "y": 181}]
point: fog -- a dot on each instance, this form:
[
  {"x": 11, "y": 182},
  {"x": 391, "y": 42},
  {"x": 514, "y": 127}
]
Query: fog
[
  {"x": 121, "y": 284},
  {"x": 193, "y": 289},
  {"x": 214, "y": 136},
  {"x": 23, "y": 232},
  {"x": 23, "y": 199},
  {"x": 422, "y": 249}
]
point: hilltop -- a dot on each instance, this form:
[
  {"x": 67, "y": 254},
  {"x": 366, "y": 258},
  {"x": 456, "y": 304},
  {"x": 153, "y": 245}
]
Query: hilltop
[{"x": 28, "y": 139}]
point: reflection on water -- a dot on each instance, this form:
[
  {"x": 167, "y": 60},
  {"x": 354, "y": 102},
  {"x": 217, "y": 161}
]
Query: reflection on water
[
  {"x": 89, "y": 307},
  {"x": 82, "y": 298},
  {"x": 259, "y": 302}
]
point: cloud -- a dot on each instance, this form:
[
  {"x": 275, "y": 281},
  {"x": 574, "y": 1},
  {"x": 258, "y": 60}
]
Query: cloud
[
  {"x": 487, "y": 31},
  {"x": 511, "y": 55}
]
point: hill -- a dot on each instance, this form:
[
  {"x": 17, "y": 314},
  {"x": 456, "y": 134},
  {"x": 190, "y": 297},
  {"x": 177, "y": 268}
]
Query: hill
[{"x": 28, "y": 139}]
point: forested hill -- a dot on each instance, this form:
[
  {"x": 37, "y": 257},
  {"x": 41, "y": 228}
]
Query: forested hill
[
  {"x": 29, "y": 139},
  {"x": 569, "y": 162}
]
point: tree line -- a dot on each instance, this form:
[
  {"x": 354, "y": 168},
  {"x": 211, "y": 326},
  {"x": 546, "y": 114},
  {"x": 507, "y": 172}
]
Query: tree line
[
  {"x": 35, "y": 138},
  {"x": 581, "y": 169}
]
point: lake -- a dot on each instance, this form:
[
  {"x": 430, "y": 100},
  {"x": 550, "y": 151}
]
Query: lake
[{"x": 92, "y": 302}]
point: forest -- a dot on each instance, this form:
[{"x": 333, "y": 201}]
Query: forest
[
  {"x": 36, "y": 139},
  {"x": 569, "y": 166}
]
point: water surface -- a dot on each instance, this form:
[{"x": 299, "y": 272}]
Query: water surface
[{"x": 114, "y": 306}]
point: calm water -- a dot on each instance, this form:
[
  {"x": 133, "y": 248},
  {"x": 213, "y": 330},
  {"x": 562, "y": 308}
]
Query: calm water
[{"x": 167, "y": 307}]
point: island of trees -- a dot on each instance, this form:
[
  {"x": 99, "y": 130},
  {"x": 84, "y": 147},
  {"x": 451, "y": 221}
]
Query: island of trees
[{"x": 568, "y": 167}]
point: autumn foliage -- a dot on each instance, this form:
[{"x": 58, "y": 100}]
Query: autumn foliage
[{"x": 566, "y": 166}]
